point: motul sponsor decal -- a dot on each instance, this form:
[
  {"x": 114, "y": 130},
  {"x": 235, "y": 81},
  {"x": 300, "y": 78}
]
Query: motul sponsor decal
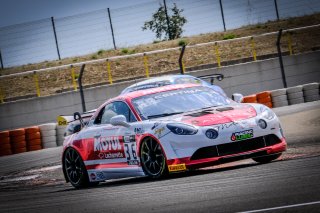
[
  {"x": 109, "y": 147},
  {"x": 243, "y": 135}
]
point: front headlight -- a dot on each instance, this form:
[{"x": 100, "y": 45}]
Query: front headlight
[
  {"x": 181, "y": 129},
  {"x": 267, "y": 113}
]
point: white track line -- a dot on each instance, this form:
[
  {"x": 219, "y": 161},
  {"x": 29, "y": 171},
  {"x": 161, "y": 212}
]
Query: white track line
[{"x": 282, "y": 207}]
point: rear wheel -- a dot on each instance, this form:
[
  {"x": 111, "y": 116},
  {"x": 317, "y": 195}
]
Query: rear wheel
[
  {"x": 267, "y": 159},
  {"x": 153, "y": 159},
  {"x": 75, "y": 169}
]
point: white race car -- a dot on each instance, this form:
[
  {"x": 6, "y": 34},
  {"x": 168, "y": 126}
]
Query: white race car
[{"x": 167, "y": 129}]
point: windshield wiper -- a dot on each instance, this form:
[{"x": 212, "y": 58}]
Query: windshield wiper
[{"x": 163, "y": 115}]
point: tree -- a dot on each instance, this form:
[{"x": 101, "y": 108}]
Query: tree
[{"x": 159, "y": 23}]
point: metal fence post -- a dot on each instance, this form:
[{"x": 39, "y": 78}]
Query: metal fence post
[
  {"x": 1, "y": 95},
  {"x": 36, "y": 82},
  {"x": 253, "y": 47},
  {"x": 109, "y": 71},
  {"x": 290, "y": 43},
  {"x": 146, "y": 66},
  {"x": 55, "y": 37},
  {"x": 276, "y": 7},
  {"x": 168, "y": 21},
  {"x": 73, "y": 76},
  {"x": 280, "y": 59},
  {"x": 81, "y": 89},
  {"x": 217, "y": 54},
  {"x": 222, "y": 15},
  {"x": 181, "y": 65},
  {"x": 111, "y": 27},
  {"x": 1, "y": 62}
]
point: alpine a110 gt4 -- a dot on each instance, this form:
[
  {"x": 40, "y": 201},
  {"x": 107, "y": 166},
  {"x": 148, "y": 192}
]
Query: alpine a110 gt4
[{"x": 167, "y": 129}]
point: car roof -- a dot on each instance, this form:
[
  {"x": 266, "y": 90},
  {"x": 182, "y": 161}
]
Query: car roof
[
  {"x": 157, "y": 79},
  {"x": 139, "y": 93}
]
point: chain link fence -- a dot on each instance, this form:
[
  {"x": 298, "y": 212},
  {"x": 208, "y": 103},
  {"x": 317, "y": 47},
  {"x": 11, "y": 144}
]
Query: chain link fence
[{"x": 56, "y": 38}]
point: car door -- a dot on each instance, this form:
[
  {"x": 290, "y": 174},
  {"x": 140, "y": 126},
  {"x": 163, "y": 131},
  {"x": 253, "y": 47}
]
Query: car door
[{"x": 114, "y": 150}]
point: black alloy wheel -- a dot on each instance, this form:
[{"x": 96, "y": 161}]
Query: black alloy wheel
[
  {"x": 75, "y": 169},
  {"x": 152, "y": 158}
]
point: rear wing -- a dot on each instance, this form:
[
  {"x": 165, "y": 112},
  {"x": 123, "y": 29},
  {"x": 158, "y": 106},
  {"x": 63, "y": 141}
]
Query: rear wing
[
  {"x": 64, "y": 120},
  {"x": 219, "y": 77}
]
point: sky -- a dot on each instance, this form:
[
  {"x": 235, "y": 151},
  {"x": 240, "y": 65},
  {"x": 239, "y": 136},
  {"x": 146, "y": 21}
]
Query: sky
[
  {"x": 83, "y": 26},
  {"x": 20, "y": 11}
]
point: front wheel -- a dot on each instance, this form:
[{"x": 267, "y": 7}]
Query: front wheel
[
  {"x": 153, "y": 159},
  {"x": 75, "y": 169},
  {"x": 267, "y": 159}
]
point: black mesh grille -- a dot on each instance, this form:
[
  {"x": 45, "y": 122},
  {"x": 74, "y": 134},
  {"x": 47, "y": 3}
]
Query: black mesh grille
[{"x": 235, "y": 147}]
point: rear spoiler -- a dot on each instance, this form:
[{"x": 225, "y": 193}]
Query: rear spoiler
[
  {"x": 219, "y": 77},
  {"x": 63, "y": 120}
]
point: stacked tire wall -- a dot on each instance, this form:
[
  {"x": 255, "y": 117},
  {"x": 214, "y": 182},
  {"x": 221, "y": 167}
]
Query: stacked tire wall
[
  {"x": 265, "y": 98},
  {"x": 60, "y": 135},
  {"x": 287, "y": 96},
  {"x": 18, "y": 141},
  {"x": 33, "y": 138},
  {"x": 311, "y": 92},
  {"x": 5, "y": 145},
  {"x": 48, "y": 135},
  {"x": 279, "y": 98},
  {"x": 295, "y": 95}
]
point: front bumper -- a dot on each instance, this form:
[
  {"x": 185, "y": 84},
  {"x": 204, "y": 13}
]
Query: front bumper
[{"x": 196, "y": 162}]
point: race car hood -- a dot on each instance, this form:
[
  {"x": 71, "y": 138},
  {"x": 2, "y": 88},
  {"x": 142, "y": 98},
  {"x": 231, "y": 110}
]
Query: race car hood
[{"x": 217, "y": 115}]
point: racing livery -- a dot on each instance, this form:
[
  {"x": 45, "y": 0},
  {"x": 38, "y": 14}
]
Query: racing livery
[{"x": 167, "y": 129}]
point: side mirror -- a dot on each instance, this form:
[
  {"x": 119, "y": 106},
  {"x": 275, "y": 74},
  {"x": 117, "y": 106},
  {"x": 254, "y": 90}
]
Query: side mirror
[
  {"x": 237, "y": 97},
  {"x": 77, "y": 116},
  {"x": 119, "y": 120}
]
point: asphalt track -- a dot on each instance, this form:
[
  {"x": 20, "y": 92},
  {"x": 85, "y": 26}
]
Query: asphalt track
[{"x": 291, "y": 184}]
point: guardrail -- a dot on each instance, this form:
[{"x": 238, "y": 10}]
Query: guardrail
[{"x": 105, "y": 63}]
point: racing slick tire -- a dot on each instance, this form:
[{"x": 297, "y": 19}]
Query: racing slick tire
[
  {"x": 312, "y": 98},
  {"x": 278, "y": 92},
  {"x": 48, "y": 126},
  {"x": 17, "y": 132},
  {"x": 280, "y": 98},
  {"x": 296, "y": 101},
  {"x": 311, "y": 86},
  {"x": 294, "y": 89},
  {"x": 153, "y": 160},
  {"x": 75, "y": 170},
  {"x": 31, "y": 130},
  {"x": 49, "y": 145},
  {"x": 4, "y": 134},
  {"x": 32, "y": 136},
  {"x": 280, "y": 103},
  {"x": 267, "y": 159},
  {"x": 295, "y": 95}
]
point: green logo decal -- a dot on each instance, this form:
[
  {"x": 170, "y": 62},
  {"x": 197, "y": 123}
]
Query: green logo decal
[{"x": 243, "y": 135}]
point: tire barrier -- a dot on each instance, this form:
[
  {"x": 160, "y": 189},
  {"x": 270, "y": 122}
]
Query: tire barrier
[
  {"x": 265, "y": 98},
  {"x": 48, "y": 135},
  {"x": 5, "y": 145},
  {"x": 295, "y": 95},
  {"x": 250, "y": 99},
  {"x": 18, "y": 141},
  {"x": 279, "y": 98},
  {"x": 311, "y": 92},
  {"x": 33, "y": 138},
  {"x": 60, "y": 135}
]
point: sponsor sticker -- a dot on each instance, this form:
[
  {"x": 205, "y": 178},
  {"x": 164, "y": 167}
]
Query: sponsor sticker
[
  {"x": 93, "y": 176},
  {"x": 243, "y": 135},
  {"x": 62, "y": 121},
  {"x": 108, "y": 147},
  {"x": 177, "y": 167}
]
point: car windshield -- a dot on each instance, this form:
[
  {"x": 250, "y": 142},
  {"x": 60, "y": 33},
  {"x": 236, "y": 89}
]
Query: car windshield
[
  {"x": 145, "y": 86},
  {"x": 178, "y": 101}
]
